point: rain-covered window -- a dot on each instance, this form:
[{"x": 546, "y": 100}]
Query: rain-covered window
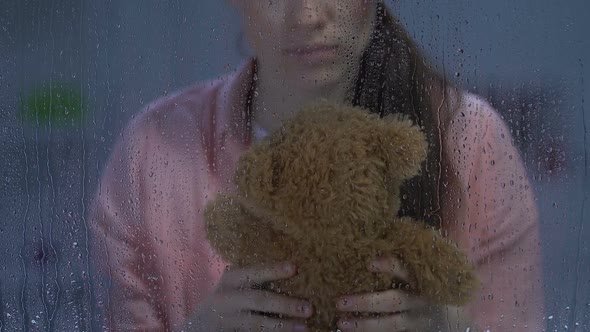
[{"x": 123, "y": 121}]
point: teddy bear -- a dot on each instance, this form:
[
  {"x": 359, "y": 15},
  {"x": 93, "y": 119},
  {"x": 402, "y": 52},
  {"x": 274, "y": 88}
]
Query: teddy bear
[{"x": 323, "y": 192}]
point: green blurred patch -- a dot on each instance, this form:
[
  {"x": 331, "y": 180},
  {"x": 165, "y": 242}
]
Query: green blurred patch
[{"x": 58, "y": 104}]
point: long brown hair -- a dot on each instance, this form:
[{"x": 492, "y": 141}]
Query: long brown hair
[{"x": 394, "y": 78}]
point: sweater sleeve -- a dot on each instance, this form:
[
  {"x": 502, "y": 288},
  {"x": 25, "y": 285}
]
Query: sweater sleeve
[
  {"x": 121, "y": 250},
  {"x": 499, "y": 230}
]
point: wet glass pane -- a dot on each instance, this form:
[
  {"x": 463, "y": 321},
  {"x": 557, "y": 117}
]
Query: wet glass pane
[{"x": 123, "y": 121}]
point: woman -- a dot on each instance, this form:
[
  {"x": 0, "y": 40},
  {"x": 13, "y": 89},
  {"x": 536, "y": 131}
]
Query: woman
[{"x": 181, "y": 151}]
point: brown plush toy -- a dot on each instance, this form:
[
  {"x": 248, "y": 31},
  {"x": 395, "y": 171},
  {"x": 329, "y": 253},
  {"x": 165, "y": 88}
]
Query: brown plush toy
[{"x": 323, "y": 193}]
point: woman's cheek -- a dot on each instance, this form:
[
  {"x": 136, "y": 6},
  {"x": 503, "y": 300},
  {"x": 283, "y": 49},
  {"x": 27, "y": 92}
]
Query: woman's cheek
[
  {"x": 357, "y": 13},
  {"x": 356, "y": 21},
  {"x": 364, "y": 7},
  {"x": 262, "y": 32}
]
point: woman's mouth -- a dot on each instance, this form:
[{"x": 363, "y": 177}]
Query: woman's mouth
[{"x": 313, "y": 54}]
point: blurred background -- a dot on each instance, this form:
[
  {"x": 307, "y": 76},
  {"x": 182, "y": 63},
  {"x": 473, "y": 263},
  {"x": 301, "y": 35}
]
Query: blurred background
[{"x": 73, "y": 72}]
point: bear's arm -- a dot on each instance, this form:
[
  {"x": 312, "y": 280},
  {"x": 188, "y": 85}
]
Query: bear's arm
[
  {"x": 440, "y": 270},
  {"x": 240, "y": 238}
]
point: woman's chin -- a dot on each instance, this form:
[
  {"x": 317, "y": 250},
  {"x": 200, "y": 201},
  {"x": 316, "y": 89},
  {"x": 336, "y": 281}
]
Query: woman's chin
[{"x": 318, "y": 77}]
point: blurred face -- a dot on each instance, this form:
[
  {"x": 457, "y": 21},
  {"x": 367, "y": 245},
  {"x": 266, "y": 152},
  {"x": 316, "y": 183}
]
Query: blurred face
[{"x": 308, "y": 43}]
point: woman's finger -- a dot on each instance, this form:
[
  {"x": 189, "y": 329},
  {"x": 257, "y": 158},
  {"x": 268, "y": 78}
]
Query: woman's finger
[
  {"x": 392, "y": 266},
  {"x": 398, "y": 323},
  {"x": 248, "y": 277},
  {"x": 254, "y": 322},
  {"x": 268, "y": 302},
  {"x": 389, "y": 301}
]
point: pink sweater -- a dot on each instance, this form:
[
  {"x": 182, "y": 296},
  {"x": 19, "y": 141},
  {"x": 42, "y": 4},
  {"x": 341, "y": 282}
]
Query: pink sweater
[{"x": 177, "y": 154}]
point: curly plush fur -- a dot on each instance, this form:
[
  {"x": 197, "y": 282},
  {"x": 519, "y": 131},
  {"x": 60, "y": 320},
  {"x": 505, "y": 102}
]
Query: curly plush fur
[{"x": 323, "y": 192}]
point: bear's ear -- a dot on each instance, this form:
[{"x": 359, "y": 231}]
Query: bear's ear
[{"x": 403, "y": 146}]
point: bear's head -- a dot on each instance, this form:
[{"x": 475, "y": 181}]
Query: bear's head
[{"x": 328, "y": 164}]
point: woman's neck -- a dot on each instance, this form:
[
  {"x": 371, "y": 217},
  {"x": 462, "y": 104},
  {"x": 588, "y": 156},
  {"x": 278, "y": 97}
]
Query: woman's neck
[{"x": 275, "y": 100}]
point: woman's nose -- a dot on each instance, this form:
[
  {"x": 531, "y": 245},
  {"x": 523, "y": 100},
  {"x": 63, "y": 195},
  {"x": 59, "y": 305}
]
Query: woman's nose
[{"x": 311, "y": 13}]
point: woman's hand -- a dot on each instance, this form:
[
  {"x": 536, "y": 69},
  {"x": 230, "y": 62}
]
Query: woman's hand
[
  {"x": 237, "y": 306},
  {"x": 395, "y": 310}
]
